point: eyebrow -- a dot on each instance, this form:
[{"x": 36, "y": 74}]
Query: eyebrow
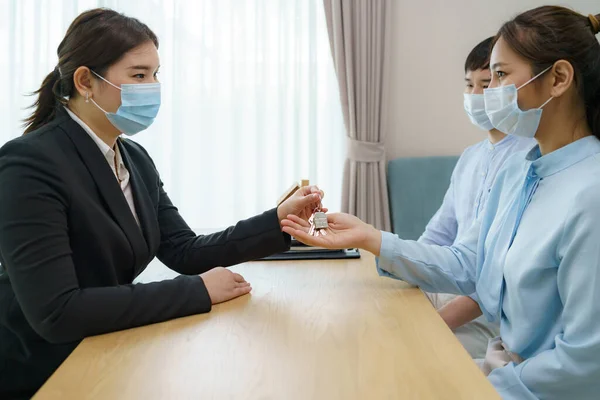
[
  {"x": 142, "y": 67},
  {"x": 500, "y": 64}
]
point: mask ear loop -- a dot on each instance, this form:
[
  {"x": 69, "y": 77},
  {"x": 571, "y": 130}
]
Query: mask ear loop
[
  {"x": 547, "y": 101},
  {"x": 111, "y": 84},
  {"x": 87, "y": 98},
  {"x": 529, "y": 81},
  {"x": 101, "y": 109},
  {"x": 534, "y": 78}
]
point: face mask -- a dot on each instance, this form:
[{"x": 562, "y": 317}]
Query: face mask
[
  {"x": 475, "y": 108},
  {"x": 139, "y": 106},
  {"x": 504, "y": 113}
]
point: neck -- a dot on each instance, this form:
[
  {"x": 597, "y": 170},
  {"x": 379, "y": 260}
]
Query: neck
[
  {"x": 562, "y": 130},
  {"x": 495, "y": 136},
  {"x": 96, "y": 120}
]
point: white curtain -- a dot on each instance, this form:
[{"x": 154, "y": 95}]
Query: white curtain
[{"x": 250, "y": 97}]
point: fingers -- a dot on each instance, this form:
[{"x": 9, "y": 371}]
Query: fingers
[
  {"x": 296, "y": 219},
  {"x": 310, "y": 189},
  {"x": 334, "y": 218},
  {"x": 306, "y": 204},
  {"x": 246, "y": 287},
  {"x": 299, "y": 221},
  {"x": 240, "y": 291},
  {"x": 315, "y": 189},
  {"x": 295, "y": 223},
  {"x": 238, "y": 278},
  {"x": 302, "y": 236}
]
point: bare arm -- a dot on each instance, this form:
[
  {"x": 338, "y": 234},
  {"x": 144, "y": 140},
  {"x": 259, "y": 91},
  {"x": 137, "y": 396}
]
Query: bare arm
[{"x": 460, "y": 311}]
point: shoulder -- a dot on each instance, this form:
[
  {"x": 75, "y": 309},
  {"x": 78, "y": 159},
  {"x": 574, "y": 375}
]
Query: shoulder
[
  {"x": 584, "y": 186},
  {"x": 582, "y": 218},
  {"x": 44, "y": 141},
  {"x": 474, "y": 149},
  {"x": 469, "y": 154},
  {"x": 29, "y": 165}
]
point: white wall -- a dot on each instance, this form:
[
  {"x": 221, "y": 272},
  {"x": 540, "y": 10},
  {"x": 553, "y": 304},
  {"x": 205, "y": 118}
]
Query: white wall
[{"x": 430, "y": 42}]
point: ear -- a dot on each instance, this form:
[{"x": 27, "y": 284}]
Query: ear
[
  {"x": 563, "y": 76},
  {"x": 82, "y": 81}
]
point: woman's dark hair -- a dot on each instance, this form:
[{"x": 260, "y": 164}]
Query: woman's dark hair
[
  {"x": 96, "y": 39},
  {"x": 479, "y": 57},
  {"x": 547, "y": 34}
]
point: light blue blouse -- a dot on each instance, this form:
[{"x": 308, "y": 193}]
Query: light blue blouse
[
  {"x": 533, "y": 259},
  {"x": 469, "y": 189}
]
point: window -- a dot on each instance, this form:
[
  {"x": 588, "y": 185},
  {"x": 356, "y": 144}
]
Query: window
[{"x": 250, "y": 102}]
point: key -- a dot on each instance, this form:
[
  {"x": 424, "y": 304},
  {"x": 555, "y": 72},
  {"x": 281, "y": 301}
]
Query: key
[
  {"x": 320, "y": 220},
  {"x": 318, "y": 223}
]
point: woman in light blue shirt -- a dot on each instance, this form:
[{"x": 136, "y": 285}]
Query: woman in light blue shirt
[{"x": 532, "y": 260}]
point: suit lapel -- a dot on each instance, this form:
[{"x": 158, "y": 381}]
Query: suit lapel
[
  {"x": 143, "y": 203},
  {"x": 108, "y": 187}
]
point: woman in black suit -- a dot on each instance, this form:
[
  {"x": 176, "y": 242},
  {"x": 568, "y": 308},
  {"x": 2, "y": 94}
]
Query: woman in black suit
[{"x": 83, "y": 211}]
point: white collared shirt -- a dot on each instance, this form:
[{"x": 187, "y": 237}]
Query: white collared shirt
[{"x": 114, "y": 159}]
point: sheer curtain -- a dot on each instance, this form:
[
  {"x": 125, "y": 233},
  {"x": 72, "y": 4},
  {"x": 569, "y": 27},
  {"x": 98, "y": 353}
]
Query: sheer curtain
[{"x": 250, "y": 97}]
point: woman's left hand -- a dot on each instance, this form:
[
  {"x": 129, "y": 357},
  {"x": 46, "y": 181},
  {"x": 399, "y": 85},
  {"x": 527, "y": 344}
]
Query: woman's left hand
[{"x": 302, "y": 203}]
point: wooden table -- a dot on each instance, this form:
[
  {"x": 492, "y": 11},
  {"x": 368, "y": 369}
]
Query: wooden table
[{"x": 309, "y": 330}]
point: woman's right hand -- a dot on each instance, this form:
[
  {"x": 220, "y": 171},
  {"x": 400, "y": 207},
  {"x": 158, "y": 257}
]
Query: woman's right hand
[
  {"x": 344, "y": 231},
  {"x": 224, "y": 285}
]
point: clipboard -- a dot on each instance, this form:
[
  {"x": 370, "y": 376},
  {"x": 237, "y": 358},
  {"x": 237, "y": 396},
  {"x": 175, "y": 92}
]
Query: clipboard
[{"x": 324, "y": 254}]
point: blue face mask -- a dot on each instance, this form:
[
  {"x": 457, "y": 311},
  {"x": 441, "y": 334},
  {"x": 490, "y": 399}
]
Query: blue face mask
[
  {"x": 505, "y": 115},
  {"x": 140, "y": 103}
]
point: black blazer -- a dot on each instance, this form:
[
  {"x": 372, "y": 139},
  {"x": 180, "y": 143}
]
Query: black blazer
[{"x": 70, "y": 249}]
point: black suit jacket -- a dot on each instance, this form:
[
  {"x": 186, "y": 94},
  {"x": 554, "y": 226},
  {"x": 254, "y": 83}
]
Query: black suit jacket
[{"x": 70, "y": 249}]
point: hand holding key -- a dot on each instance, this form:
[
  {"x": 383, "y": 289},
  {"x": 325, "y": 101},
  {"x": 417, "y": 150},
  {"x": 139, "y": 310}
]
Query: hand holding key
[{"x": 302, "y": 203}]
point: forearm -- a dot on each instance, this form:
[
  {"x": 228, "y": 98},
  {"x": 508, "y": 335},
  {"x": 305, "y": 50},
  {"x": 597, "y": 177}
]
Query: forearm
[
  {"x": 435, "y": 269},
  {"x": 79, "y": 313},
  {"x": 459, "y": 311},
  {"x": 248, "y": 240}
]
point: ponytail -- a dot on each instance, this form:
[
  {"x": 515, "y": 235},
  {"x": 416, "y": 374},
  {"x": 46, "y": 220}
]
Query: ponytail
[{"x": 46, "y": 103}]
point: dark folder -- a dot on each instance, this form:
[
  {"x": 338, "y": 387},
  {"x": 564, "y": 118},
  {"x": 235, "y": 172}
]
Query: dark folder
[{"x": 300, "y": 251}]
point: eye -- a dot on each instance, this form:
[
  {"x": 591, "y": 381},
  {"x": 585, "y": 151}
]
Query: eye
[
  {"x": 156, "y": 74},
  {"x": 470, "y": 85},
  {"x": 139, "y": 76},
  {"x": 500, "y": 74},
  {"x": 485, "y": 86}
]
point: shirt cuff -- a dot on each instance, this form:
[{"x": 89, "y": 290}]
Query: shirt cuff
[
  {"x": 384, "y": 262},
  {"x": 475, "y": 298},
  {"x": 507, "y": 383}
]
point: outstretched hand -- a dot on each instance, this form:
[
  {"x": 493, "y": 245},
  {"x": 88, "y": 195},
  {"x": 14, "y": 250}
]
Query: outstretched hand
[{"x": 344, "y": 231}]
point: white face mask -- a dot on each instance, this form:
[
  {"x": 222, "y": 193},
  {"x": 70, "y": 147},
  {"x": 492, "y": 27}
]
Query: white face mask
[
  {"x": 503, "y": 110},
  {"x": 475, "y": 108}
]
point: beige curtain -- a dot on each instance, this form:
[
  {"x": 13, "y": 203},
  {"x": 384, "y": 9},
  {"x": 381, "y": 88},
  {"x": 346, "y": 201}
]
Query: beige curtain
[{"x": 359, "y": 33}]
